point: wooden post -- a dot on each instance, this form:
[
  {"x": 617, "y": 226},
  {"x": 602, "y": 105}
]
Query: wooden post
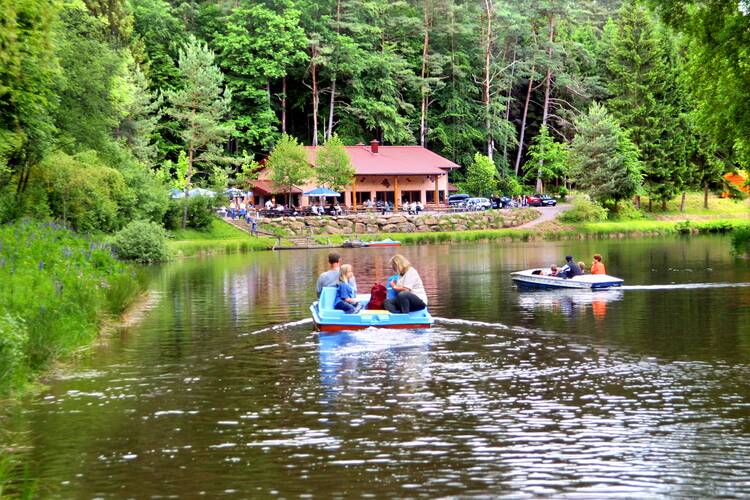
[
  {"x": 397, "y": 193},
  {"x": 354, "y": 193},
  {"x": 437, "y": 198}
]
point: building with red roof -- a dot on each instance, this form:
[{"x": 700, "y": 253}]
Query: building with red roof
[{"x": 382, "y": 173}]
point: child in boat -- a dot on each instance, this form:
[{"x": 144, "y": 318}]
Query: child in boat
[
  {"x": 583, "y": 267},
  {"x": 346, "y": 296},
  {"x": 597, "y": 267},
  {"x": 553, "y": 270}
]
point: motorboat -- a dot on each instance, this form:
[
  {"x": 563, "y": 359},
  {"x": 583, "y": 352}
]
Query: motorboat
[
  {"x": 328, "y": 319},
  {"x": 384, "y": 243},
  {"x": 375, "y": 244},
  {"x": 535, "y": 278}
]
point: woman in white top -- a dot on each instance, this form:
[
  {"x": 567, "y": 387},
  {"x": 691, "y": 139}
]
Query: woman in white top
[{"x": 409, "y": 288}]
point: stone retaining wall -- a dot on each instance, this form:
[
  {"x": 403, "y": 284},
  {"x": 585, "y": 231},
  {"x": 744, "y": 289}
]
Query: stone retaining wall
[{"x": 372, "y": 224}]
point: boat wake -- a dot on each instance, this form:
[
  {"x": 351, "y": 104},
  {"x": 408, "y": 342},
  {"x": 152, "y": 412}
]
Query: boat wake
[
  {"x": 685, "y": 286},
  {"x": 281, "y": 326},
  {"x": 468, "y": 322}
]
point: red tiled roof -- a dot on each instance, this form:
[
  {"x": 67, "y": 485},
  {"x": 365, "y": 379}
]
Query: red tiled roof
[
  {"x": 267, "y": 187},
  {"x": 393, "y": 160},
  {"x": 451, "y": 187}
]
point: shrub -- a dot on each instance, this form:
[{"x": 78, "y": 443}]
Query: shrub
[
  {"x": 584, "y": 210},
  {"x": 13, "y": 340},
  {"x": 741, "y": 242},
  {"x": 200, "y": 213},
  {"x": 562, "y": 193},
  {"x": 141, "y": 241},
  {"x": 625, "y": 211}
]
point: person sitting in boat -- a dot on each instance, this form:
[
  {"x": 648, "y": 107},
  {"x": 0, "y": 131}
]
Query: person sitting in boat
[
  {"x": 583, "y": 267},
  {"x": 410, "y": 291},
  {"x": 331, "y": 277},
  {"x": 597, "y": 267},
  {"x": 346, "y": 296},
  {"x": 553, "y": 271},
  {"x": 570, "y": 269}
]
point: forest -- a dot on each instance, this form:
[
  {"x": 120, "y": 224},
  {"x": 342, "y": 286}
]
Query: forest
[{"x": 104, "y": 102}]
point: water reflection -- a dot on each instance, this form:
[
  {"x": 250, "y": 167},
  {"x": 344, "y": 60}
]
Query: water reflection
[{"x": 569, "y": 302}]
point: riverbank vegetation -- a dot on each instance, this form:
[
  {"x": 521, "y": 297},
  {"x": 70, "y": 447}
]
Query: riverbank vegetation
[{"x": 57, "y": 289}]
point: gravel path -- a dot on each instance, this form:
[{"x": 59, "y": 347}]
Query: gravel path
[{"x": 548, "y": 213}]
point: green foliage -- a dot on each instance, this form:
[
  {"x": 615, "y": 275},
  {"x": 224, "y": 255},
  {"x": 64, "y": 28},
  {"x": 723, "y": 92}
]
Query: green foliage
[
  {"x": 548, "y": 159},
  {"x": 647, "y": 98},
  {"x": 605, "y": 162},
  {"x": 288, "y": 164},
  {"x": 200, "y": 106},
  {"x": 584, "y": 210},
  {"x": 62, "y": 285},
  {"x": 481, "y": 179},
  {"x": 333, "y": 168},
  {"x": 255, "y": 46},
  {"x": 141, "y": 241},
  {"x": 509, "y": 185},
  {"x": 200, "y": 213}
]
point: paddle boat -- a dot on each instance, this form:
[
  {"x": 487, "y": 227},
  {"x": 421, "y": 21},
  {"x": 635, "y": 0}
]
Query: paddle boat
[
  {"x": 363, "y": 244},
  {"x": 328, "y": 319},
  {"x": 383, "y": 243},
  {"x": 534, "y": 278}
]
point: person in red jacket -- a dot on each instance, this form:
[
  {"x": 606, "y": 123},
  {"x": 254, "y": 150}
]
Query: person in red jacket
[{"x": 597, "y": 267}]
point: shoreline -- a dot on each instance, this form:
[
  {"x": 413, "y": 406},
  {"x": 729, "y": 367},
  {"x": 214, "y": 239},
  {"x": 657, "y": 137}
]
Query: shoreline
[{"x": 546, "y": 231}]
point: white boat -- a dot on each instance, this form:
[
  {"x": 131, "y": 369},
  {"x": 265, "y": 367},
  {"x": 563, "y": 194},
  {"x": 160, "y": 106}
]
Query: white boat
[{"x": 534, "y": 278}]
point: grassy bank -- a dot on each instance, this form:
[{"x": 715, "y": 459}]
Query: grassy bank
[
  {"x": 641, "y": 228},
  {"x": 718, "y": 208},
  {"x": 57, "y": 289},
  {"x": 220, "y": 238}
]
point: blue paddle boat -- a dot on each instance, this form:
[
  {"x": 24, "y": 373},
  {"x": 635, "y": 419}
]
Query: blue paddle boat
[{"x": 328, "y": 319}]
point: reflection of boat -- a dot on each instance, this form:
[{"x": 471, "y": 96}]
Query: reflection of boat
[
  {"x": 568, "y": 301},
  {"x": 550, "y": 299},
  {"x": 533, "y": 278},
  {"x": 327, "y": 319},
  {"x": 384, "y": 243}
]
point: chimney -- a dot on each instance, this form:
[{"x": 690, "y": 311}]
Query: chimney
[{"x": 374, "y": 145}]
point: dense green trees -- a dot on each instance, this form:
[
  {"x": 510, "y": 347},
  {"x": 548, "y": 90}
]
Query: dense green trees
[
  {"x": 333, "y": 168},
  {"x": 105, "y": 81},
  {"x": 604, "y": 160},
  {"x": 288, "y": 165}
]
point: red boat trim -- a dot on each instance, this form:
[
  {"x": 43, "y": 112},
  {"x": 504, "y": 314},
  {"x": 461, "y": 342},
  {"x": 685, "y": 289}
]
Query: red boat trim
[{"x": 338, "y": 328}]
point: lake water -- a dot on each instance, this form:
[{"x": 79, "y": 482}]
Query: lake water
[{"x": 223, "y": 388}]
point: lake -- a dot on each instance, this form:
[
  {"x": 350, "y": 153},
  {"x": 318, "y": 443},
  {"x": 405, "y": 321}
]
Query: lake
[{"x": 224, "y": 389}]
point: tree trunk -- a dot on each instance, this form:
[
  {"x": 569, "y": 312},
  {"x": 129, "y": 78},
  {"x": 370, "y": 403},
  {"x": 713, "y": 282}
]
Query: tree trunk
[
  {"x": 682, "y": 203},
  {"x": 547, "y": 85},
  {"x": 523, "y": 121},
  {"x": 638, "y": 201},
  {"x": 188, "y": 177},
  {"x": 315, "y": 96},
  {"x": 283, "y": 105},
  {"x": 507, "y": 105},
  {"x": 487, "y": 43},
  {"x": 705, "y": 195},
  {"x": 424, "y": 87},
  {"x": 329, "y": 131}
]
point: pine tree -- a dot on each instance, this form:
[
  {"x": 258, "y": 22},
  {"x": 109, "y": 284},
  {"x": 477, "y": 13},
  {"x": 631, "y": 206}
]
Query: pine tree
[
  {"x": 200, "y": 106},
  {"x": 644, "y": 99},
  {"x": 604, "y": 161},
  {"x": 548, "y": 160}
]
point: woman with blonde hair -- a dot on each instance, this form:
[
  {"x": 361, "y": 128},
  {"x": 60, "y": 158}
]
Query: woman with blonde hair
[
  {"x": 410, "y": 293},
  {"x": 346, "y": 295}
]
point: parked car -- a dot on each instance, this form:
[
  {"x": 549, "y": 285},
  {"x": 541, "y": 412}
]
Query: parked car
[
  {"x": 547, "y": 200},
  {"x": 533, "y": 200},
  {"x": 456, "y": 200},
  {"x": 501, "y": 201},
  {"x": 478, "y": 204}
]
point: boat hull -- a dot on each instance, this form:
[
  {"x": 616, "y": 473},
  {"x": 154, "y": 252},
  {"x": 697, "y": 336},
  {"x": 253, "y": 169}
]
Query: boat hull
[
  {"x": 528, "y": 279},
  {"x": 327, "y": 319}
]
